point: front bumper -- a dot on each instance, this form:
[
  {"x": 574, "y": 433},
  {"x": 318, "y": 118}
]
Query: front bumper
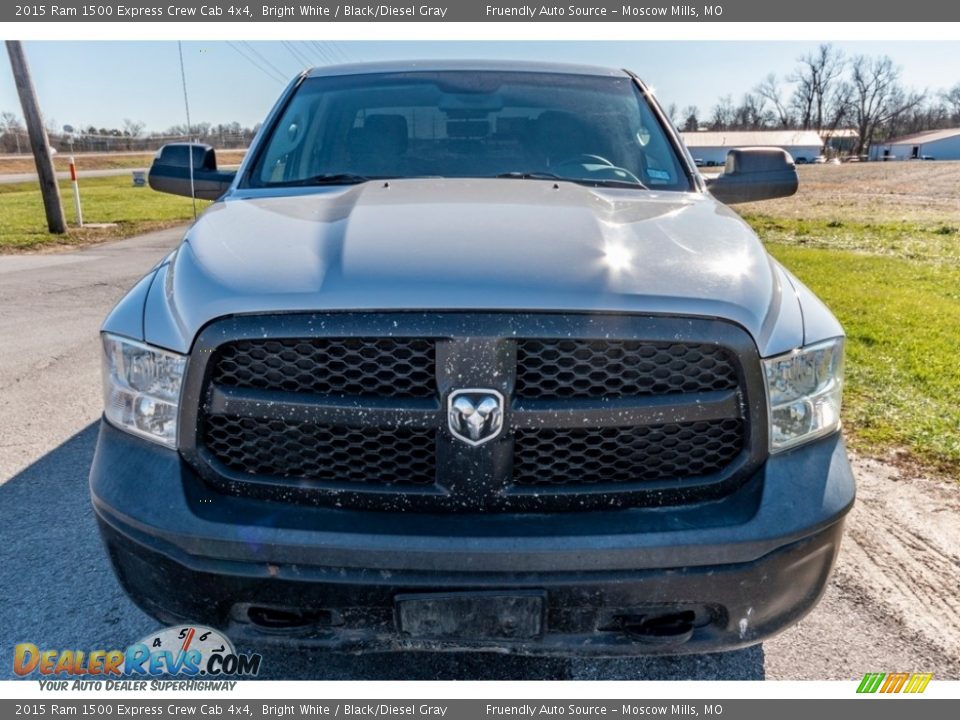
[{"x": 722, "y": 574}]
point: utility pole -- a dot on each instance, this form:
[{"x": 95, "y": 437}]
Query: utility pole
[{"x": 56, "y": 222}]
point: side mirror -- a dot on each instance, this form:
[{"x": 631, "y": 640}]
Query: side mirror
[
  {"x": 751, "y": 174},
  {"x": 170, "y": 171}
]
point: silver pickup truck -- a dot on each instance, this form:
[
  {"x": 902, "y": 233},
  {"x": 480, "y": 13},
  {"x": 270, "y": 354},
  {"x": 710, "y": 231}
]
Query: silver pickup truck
[{"x": 470, "y": 355}]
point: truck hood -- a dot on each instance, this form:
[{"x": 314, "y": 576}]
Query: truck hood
[{"x": 441, "y": 244}]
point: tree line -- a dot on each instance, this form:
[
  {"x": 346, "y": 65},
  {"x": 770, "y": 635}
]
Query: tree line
[
  {"x": 131, "y": 135},
  {"x": 828, "y": 91}
]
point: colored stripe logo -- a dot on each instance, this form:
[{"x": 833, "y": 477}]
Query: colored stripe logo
[{"x": 894, "y": 682}]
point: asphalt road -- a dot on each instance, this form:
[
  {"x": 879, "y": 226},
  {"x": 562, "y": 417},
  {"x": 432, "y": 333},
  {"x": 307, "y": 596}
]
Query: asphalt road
[
  {"x": 10, "y": 178},
  {"x": 892, "y": 605}
]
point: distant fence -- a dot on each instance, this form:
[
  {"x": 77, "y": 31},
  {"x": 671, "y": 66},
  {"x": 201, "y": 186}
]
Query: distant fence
[{"x": 17, "y": 142}]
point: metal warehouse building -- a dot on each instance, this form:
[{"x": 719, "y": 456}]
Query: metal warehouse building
[
  {"x": 711, "y": 147},
  {"x": 936, "y": 144}
]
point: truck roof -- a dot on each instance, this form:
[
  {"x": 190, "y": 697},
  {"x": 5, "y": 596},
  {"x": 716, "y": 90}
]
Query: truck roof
[{"x": 462, "y": 65}]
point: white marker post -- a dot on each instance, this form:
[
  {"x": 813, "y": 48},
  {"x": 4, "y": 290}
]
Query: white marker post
[{"x": 76, "y": 191}]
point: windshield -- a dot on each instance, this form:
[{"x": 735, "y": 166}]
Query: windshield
[{"x": 592, "y": 129}]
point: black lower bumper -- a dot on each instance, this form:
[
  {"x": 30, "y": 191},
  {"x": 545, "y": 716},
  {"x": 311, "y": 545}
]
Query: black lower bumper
[{"x": 714, "y": 577}]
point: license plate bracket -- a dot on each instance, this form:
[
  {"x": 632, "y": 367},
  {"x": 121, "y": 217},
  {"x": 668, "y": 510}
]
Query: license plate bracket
[{"x": 482, "y": 615}]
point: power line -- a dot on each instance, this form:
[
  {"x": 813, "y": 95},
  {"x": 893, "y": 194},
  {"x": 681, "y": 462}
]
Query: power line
[
  {"x": 327, "y": 57},
  {"x": 257, "y": 65},
  {"x": 341, "y": 51},
  {"x": 330, "y": 53},
  {"x": 329, "y": 50},
  {"x": 302, "y": 53},
  {"x": 333, "y": 49},
  {"x": 304, "y": 62},
  {"x": 283, "y": 75}
]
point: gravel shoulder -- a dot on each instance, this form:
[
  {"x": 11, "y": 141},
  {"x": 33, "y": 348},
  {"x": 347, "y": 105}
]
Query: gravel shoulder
[
  {"x": 893, "y": 601},
  {"x": 892, "y": 604}
]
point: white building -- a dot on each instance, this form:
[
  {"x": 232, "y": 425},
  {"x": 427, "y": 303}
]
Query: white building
[
  {"x": 841, "y": 141},
  {"x": 936, "y": 144},
  {"x": 710, "y": 147}
]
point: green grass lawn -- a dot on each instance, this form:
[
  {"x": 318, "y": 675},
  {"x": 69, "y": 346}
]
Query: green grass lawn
[
  {"x": 105, "y": 200},
  {"x": 924, "y": 241},
  {"x": 902, "y": 318}
]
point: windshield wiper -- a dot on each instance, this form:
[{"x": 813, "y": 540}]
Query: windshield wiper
[
  {"x": 327, "y": 179},
  {"x": 530, "y": 176},
  {"x": 610, "y": 183},
  {"x": 592, "y": 182}
]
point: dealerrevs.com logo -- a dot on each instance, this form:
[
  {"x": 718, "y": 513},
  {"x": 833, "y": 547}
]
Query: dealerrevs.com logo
[{"x": 189, "y": 651}]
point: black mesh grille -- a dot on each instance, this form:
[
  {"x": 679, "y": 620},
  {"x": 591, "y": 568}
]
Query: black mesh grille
[
  {"x": 594, "y": 456},
  {"x": 384, "y": 367},
  {"x": 383, "y": 456},
  {"x": 620, "y": 368},
  {"x": 358, "y": 417}
]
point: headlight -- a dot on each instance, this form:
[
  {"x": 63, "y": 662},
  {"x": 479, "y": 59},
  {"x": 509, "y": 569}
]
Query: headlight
[
  {"x": 141, "y": 388},
  {"x": 804, "y": 388}
]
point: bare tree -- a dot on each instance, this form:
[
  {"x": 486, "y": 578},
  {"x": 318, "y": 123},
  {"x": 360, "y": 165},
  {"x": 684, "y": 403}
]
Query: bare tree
[
  {"x": 671, "y": 111},
  {"x": 838, "y": 107},
  {"x": 802, "y": 100},
  {"x": 818, "y": 79},
  {"x": 12, "y": 132},
  {"x": 877, "y": 99},
  {"x": 691, "y": 118},
  {"x": 951, "y": 98},
  {"x": 133, "y": 128},
  {"x": 724, "y": 114},
  {"x": 770, "y": 91},
  {"x": 752, "y": 113},
  {"x": 926, "y": 116},
  {"x": 9, "y": 121}
]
